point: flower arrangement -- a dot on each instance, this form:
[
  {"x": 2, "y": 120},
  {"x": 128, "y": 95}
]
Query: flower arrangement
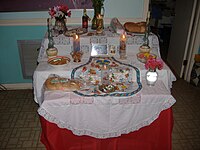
[
  {"x": 59, "y": 12},
  {"x": 154, "y": 64}
]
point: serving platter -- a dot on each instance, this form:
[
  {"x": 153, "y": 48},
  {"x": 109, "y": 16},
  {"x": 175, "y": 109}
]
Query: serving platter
[{"x": 106, "y": 76}]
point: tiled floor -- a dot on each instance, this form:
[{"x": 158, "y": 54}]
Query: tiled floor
[{"x": 20, "y": 127}]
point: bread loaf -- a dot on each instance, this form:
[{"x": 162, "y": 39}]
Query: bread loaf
[
  {"x": 135, "y": 27},
  {"x": 57, "y": 83}
]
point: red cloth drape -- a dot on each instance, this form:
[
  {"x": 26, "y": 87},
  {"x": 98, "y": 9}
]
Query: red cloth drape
[{"x": 156, "y": 136}]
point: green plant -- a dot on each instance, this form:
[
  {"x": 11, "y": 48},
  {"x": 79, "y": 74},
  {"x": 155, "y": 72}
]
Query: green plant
[{"x": 97, "y": 3}]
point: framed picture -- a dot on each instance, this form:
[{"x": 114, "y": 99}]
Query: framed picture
[{"x": 99, "y": 50}]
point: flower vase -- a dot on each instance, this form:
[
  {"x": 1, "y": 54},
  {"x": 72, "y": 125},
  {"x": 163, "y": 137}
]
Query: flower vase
[
  {"x": 151, "y": 77},
  {"x": 60, "y": 25}
]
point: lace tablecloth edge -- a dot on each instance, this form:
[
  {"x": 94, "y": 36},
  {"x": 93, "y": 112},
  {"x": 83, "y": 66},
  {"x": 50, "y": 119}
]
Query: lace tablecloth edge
[{"x": 42, "y": 112}]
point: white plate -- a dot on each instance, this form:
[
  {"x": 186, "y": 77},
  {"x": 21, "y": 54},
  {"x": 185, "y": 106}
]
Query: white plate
[{"x": 59, "y": 61}]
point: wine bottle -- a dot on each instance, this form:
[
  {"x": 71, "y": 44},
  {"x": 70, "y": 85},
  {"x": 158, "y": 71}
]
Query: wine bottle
[{"x": 85, "y": 19}]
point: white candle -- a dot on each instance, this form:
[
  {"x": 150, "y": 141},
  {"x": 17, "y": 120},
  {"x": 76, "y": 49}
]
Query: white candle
[
  {"x": 76, "y": 42},
  {"x": 123, "y": 42},
  {"x": 122, "y": 50}
]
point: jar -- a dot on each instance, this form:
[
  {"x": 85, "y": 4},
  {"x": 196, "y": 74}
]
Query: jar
[
  {"x": 151, "y": 77},
  {"x": 51, "y": 52}
]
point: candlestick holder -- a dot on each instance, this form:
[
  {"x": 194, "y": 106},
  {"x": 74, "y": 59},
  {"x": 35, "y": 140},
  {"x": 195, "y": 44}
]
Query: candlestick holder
[{"x": 76, "y": 55}]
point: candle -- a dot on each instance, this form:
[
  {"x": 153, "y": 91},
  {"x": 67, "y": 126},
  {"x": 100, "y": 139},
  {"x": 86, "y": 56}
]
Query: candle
[
  {"x": 122, "y": 49},
  {"x": 76, "y": 42},
  {"x": 123, "y": 42},
  {"x": 104, "y": 67}
]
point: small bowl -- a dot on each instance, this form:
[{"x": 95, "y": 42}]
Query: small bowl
[
  {"x": 59, "y": 61},
  {"x": 145, "y": 49},
  {"x": 51, "y": 52},
  {"x": 143, "y": 57}
]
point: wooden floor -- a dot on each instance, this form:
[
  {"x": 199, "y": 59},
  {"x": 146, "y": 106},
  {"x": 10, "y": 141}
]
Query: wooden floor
[{"x": 20, "y": 127}]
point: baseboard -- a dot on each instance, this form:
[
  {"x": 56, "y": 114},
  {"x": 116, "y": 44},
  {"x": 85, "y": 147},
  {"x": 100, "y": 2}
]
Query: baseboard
[{"x": 18, "y": 86}]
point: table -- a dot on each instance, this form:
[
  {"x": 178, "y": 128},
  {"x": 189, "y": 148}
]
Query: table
[
  {"x": 116, "y": 116},
  {"x": 156, "y": 136}
]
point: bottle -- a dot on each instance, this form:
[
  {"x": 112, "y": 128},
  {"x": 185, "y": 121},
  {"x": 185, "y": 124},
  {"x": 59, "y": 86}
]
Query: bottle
[
  {"x": 51, "y": 51},
  {"x": 85, "y": 19},
  {"x": 50, "y": 36}
]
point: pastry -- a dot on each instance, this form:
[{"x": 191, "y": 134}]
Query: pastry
[
  {"x": 59, "y": 60},
  {"x": 135, "y": 27},
  {"x": 64, "y": 84}
]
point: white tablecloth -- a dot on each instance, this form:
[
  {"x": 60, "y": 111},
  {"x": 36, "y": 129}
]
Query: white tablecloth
[
  {"x": 43, "y": 71},
  {"x": 64, "y": 46},
  {"x": 106, "y": 117}
]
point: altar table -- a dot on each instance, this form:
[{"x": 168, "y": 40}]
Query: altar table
[
  {"x": 142, "y": 121},
  {"x": 157, "y": 136}
]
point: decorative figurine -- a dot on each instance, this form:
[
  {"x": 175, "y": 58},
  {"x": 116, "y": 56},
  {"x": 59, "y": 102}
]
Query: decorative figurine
[{"x": 99, "y": 24}]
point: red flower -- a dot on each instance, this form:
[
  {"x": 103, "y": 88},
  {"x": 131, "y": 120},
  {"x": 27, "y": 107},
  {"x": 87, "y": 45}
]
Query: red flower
[
  {"x": 153, "y": 64},
  {"x": 59, "y": 11}
]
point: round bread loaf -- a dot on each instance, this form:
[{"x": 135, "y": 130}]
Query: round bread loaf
[
  {"x": 57, "y": 83},
  {"x": 135, "y": 27}
]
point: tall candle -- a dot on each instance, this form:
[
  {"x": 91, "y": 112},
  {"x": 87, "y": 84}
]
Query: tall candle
[
  {"x": 123, "y": 42},
  {"x": 76, "y": 42},
  {"x": 122, "y": 50}
]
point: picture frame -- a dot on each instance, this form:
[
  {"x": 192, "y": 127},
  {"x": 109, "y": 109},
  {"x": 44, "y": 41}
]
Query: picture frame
[{"x": 99, "y": 50}]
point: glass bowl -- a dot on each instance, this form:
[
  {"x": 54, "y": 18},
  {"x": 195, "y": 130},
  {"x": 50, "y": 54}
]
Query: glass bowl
[{"x": 143, "y": 57}]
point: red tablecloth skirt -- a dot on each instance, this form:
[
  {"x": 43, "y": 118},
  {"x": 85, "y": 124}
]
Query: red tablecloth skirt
[{"x": 156, "y": 136}]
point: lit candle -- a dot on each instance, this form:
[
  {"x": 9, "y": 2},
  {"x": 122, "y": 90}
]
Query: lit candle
[
  {"x": 104, "y": 67},
  {"x": 122, "y": 50},
  {"x": 123, "y": 42},
  {"x": 76, "y": 42}
]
